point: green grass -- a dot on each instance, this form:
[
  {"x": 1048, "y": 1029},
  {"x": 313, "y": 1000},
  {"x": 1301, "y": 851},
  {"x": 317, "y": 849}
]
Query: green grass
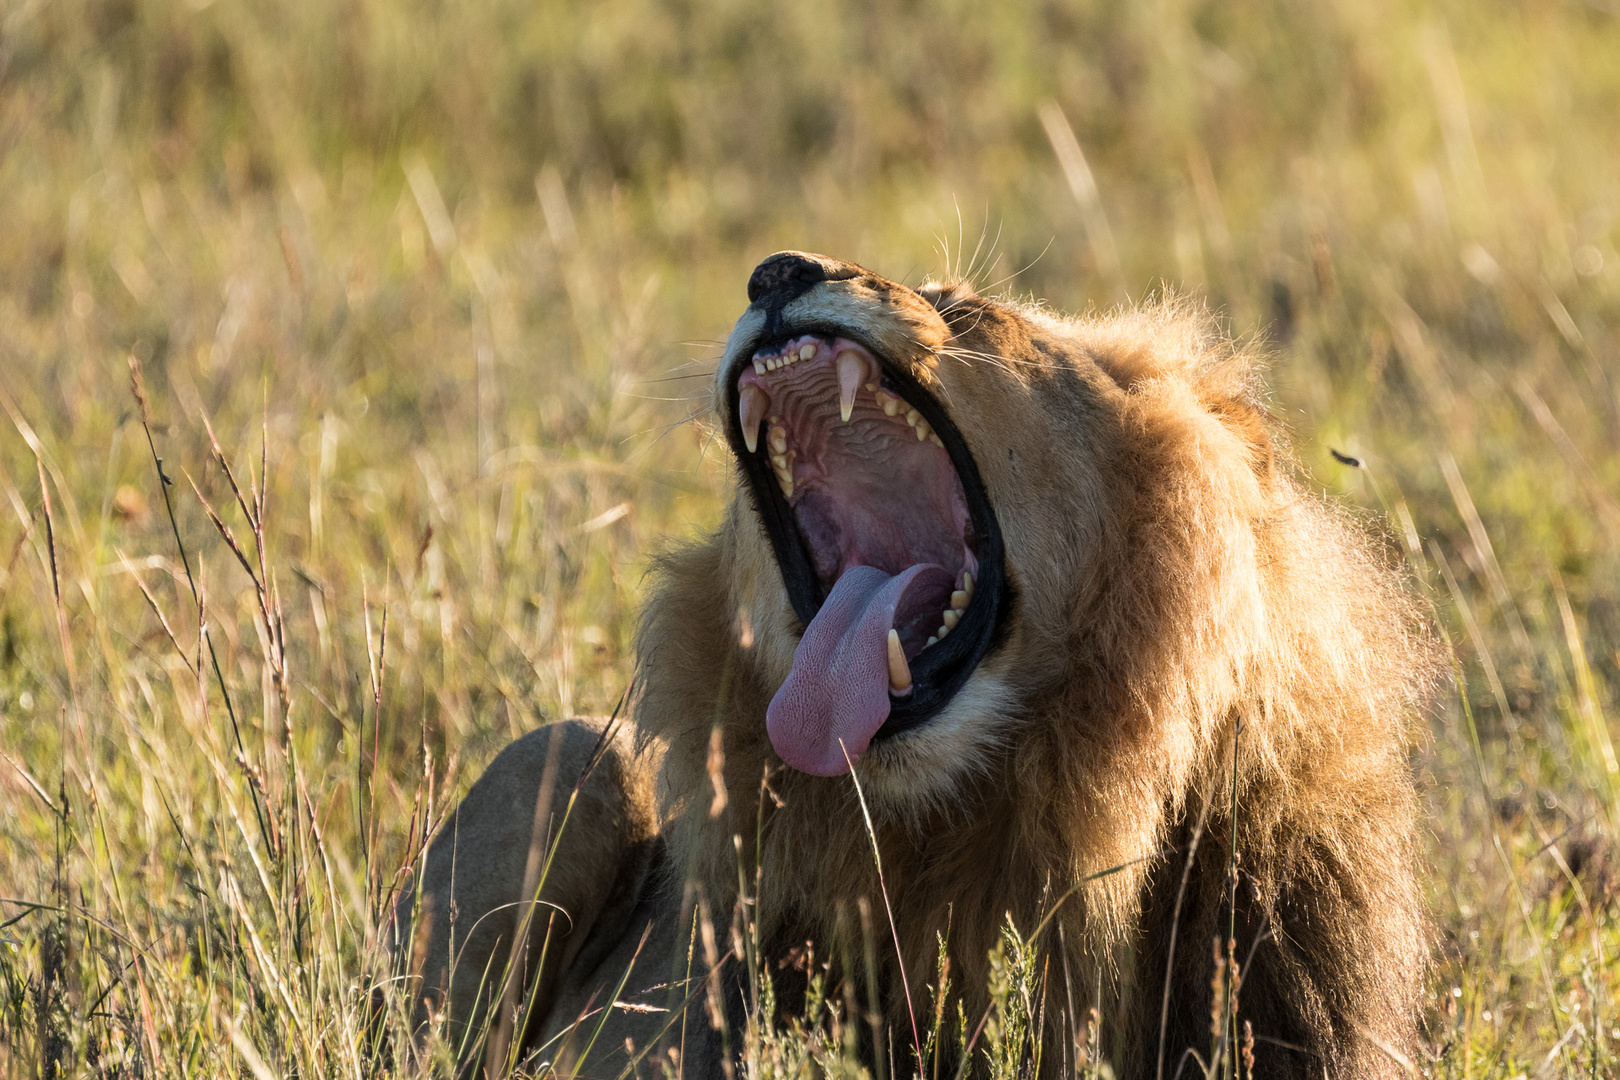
[{"x": 447, "y": 282}]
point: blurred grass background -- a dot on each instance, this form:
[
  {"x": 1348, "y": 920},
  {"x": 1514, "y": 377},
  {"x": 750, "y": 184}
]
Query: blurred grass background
[{"x": 447, "y": 282}]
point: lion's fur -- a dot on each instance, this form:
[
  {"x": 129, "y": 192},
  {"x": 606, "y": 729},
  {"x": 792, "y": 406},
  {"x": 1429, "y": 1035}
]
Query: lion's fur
[
  {"x": 1177, "y": 594},
  {"x": 1173, "y": 580},
  {"x": 572, "y": 792}
]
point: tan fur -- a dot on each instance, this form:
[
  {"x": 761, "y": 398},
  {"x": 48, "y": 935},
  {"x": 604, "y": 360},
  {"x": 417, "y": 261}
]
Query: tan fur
[
  {"x": 1172, "y": 583},
  {"x": 485, "y": 878}
]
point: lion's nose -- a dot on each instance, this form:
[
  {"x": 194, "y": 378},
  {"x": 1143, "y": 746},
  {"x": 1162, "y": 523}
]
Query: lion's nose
[{"x": 787, "y": 275}]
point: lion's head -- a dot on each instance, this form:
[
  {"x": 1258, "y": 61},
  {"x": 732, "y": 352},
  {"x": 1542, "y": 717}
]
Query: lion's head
[
  {"x": 1052, "y": 585},
  {"x": 960, "y": 507}
]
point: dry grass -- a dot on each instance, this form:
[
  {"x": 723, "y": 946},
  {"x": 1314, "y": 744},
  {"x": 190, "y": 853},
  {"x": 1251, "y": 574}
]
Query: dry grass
[{"x": 431, "y": 276}]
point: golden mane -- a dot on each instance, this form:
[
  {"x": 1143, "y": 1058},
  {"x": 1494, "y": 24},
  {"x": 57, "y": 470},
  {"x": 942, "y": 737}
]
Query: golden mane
[{"x": 1186, "y": 597}]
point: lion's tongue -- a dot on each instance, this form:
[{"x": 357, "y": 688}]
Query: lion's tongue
[{"x": 837, "y": 695}]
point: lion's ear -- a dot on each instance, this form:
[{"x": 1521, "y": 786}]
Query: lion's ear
[
  {"x": 1247, "y": 421},
  {"x": 945, "y": 294}
]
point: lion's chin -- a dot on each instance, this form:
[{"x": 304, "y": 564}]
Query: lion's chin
[
  {"x": 880, "y": 526},
  {"x": 928, "y": 769}
]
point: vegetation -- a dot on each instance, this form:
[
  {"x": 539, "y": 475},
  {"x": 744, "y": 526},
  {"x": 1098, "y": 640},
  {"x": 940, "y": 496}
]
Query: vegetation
[{"x": 445, "y": 283}]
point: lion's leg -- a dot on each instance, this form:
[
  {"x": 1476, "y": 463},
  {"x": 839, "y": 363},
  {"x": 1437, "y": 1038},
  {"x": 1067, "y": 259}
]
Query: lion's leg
[
  {"x": 1329, "y": 934},
  {"x": 552, "y": 843}
]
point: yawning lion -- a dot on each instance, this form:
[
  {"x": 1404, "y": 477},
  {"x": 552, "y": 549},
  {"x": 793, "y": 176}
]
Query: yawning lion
[{"x": 1102, "y": 667}]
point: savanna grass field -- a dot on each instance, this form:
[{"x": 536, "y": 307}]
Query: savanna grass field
[{"x": 354, "y": 361}]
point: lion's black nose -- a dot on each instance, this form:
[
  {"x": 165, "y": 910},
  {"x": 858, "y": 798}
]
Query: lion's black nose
[{"x": 787, "y": 275}]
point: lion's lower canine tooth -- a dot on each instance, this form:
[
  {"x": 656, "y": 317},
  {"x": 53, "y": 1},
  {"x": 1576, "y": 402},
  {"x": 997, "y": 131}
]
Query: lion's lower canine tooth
[
  {"x": 959, "y": 599},
  {"x": 851, "y": 373},
  {"x": 752, "y": 405},
  {"x": 899, "y": 671}
]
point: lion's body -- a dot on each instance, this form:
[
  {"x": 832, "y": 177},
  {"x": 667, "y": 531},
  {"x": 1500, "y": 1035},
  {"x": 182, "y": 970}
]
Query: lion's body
[{"x": 1176, "y": 597}]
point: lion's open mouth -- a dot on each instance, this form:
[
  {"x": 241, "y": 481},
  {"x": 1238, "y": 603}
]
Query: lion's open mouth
[{"x": 881, "y": 526}]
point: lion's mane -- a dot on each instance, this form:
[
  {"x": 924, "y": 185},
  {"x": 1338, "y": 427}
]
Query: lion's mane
[{"x": 1179, "y": 595}]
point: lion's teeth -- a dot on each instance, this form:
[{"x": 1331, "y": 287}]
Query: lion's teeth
[
  {"x": 759, "y": 366},
  {"x": 752, "y": 405},
  {"x": 779, "y": 440},
  {"x": 891, "y": 405},
  {"x": 942, "y": 631},
  {"x": 951, "y": 618},
  {"x": 871, "y": 388},
  {"x": 936, "y": 441},
  {"x": 931, "y": 641},
  {"x": 959, "y": 599},
  {"x": 899, "y": 671},
  {"x": 912, "y": 416},
  {"x": 851, "y": 373},
  {"x": 923, "y": 430},
  {"x": 967, "y": 583},
  {"x": 806, "y": 351}
]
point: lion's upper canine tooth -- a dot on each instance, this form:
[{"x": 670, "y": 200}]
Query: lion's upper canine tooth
[
  {"x": 852, "y": 371},
  {"x": 752, "y": 405},
  {"x": 899, "y": 671}
]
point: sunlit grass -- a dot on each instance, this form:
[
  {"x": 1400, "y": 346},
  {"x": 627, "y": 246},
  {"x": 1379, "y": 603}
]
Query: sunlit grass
[{"x": 446, "y": 283}]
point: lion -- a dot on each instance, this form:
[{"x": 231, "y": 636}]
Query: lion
[{"x": 1013, "y": 620}]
